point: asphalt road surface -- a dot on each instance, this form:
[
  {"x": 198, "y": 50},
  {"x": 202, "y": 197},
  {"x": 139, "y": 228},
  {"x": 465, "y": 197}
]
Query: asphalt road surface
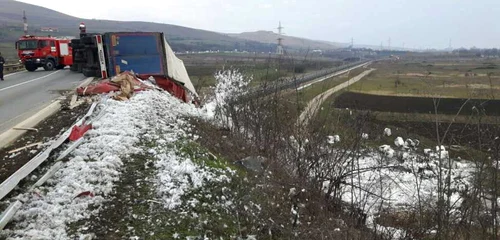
[{"x": 24, "y": 93}]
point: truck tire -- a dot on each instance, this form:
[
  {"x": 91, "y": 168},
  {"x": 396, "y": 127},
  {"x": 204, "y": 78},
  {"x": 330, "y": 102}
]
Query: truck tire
[
  {"x": 75, "y": 43},
  {"x": 87, "y": 40},
  {"x": 73, "y": 68},
  {"x": 49, "y": 65},
  {"x": 89, "y": 72},
  {"x": 30, "y": 67},
  {"x": 78, "y": 56}
]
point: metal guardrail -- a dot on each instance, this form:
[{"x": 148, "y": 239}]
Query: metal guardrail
[
  {"x": 294, "y": 82},
  {"x": 13, "y": 67}
]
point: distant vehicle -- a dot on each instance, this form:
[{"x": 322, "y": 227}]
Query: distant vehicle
[{"x": 47, "y": 52}]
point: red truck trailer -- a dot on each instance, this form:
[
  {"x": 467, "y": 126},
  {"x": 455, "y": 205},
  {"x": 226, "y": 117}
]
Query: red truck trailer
[
  {"x": 147, "y": 54},
  {"x": 47, "y": 52}
]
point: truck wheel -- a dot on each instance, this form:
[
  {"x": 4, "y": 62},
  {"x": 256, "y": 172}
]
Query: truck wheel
[
  {"x": 59, "y": 67},
  {"x": 30, "y": 67},
  {"x": 75, "y": 43},
  {"x": 89, "y": 72},
  {"x": 87, "y": 40},
  {"x": 49, "y": 65}
]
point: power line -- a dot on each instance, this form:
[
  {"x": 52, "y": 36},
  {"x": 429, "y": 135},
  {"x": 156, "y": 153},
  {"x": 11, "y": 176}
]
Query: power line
[{"x": 280, "y": 50}]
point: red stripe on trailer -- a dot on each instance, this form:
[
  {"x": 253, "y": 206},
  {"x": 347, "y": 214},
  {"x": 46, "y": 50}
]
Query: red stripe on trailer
[
  {"x": 104, "y": 74},
  {"x": 99, "y": 38}
]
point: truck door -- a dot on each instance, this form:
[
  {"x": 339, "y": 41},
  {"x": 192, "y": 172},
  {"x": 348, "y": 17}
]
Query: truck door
[{"x": 53, "y": 49}]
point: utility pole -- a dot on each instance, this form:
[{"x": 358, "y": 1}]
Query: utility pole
[
  {"x": 280, "y": 50},
  {"x": 352, "y": 42},
  {"x": 25, "y": 20},
  {"x": 389, "y": 44}
]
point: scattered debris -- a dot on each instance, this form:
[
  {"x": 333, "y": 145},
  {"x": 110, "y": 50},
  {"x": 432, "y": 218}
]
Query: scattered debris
[
  {"x": 427, "y": 151},
  {"x": 85, "y": 194},
  {"x": 26, "y": 129},
  {"x": 253, "y": 163},
  {"x": 399, "y": 142},
  {"x": 122, "y": 86},
  {"x": 387, "y": 132},
  {"x": 410, "y": 143},
  {"x": 364, "y": 136},
  {"x": 25, "y": 147},
  {"x": 78, "y": 131},
  {"x": 387, "y": 150},
  {"x": 333, "y": 139}
]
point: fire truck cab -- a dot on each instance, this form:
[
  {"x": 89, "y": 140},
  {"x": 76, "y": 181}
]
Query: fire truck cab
[{"x": 47, "y": 52}]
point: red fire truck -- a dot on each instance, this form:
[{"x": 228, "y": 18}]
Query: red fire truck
[{"x": 47, "y": 52}]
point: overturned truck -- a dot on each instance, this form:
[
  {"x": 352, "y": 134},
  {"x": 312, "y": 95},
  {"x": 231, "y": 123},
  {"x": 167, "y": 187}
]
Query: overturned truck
[{"x": 146, "y": 54}]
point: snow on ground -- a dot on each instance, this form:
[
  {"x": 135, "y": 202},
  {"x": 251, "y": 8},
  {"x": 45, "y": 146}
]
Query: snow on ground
[{"x": 96, "y": 164}]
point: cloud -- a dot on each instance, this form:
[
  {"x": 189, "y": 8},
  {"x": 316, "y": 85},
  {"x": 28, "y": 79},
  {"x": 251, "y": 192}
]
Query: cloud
[
  {"x": 265, "y": 5},
  {"x": 423, "y": 22}
]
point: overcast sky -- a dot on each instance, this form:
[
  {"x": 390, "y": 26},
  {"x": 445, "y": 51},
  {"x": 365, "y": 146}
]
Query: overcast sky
[{"x": 415, "y": 23}]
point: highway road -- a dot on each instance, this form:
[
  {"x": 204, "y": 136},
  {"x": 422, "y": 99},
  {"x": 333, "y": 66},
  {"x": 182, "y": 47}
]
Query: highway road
[
  {"x": 313, "y": 106},
  {"x": 24, "y": 93}
]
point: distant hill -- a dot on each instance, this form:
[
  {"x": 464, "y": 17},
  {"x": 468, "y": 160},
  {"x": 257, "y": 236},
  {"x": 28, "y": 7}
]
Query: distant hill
[
  {"x": 181, "y": 38},
  {"x": 289, "y": 41}
]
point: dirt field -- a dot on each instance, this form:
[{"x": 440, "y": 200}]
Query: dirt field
[
  {"x": 424, "y": 105},
  {"x": 452, "y": 79}
]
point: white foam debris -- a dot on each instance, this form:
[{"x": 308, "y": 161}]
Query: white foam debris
[
  {"x": 408, "y": 179},
  {"x": 364, "y": 136},
  {"x": 387, "y": 132},
  {"x": 387, "y": 150},
  {"x": 229, "y": 84},
  {"x": 333, "y": 139},
  {"x": 96, "y": 164},
  {"x": 427, "y": 151},
  {"x": 399, "y": 142}
]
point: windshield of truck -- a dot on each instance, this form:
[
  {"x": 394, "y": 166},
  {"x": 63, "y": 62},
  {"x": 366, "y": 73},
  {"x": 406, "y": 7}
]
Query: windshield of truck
[{"x": 28, "y": 45}]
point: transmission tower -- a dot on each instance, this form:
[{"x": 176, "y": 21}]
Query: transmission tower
[
  {"x": 25, "y": 21},
  {"x": 280, "y": 50}
]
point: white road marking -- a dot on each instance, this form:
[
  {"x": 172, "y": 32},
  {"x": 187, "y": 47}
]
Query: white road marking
[
  {"x": 10, "y": 74},
  {"x": 19, "y": 84},
  {"x": 331, "y": 76}
]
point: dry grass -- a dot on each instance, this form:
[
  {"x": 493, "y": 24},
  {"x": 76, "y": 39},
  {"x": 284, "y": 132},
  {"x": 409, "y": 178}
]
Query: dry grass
[{"x": 443, "y": 79}]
